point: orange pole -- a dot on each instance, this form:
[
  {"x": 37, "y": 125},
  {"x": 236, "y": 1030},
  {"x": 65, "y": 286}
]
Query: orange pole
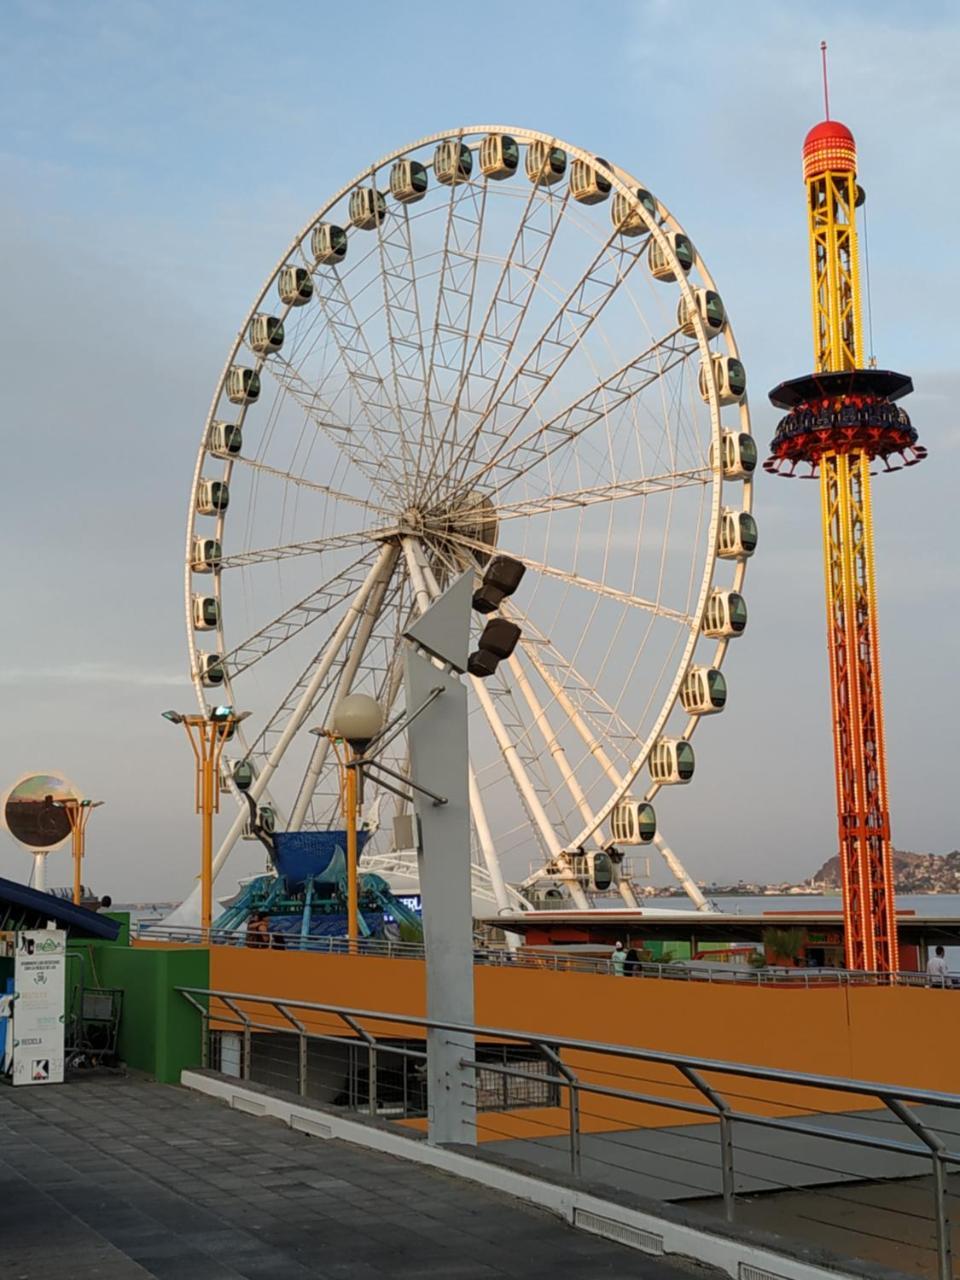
[{"x": 351, "y": 820}]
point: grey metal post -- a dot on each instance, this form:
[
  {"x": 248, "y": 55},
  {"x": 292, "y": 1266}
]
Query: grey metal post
[
  {"x": 437, "y": 741},
  {"x": 940, "y": 1192},
  {"x": 573, "y": 1105},
  {"x": 302, "y": 1064},
  {"x": 726, "y": 1136}
]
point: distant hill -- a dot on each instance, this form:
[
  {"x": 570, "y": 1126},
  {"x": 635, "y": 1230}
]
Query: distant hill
[{"x": 912, "y": 872}]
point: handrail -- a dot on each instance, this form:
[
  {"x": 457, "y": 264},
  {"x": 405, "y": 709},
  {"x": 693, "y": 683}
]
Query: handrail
[
  {"x": 838, "y": 1084},
  {"x": 543, "y": 958},
  {"x": 691, "y": 1069}
]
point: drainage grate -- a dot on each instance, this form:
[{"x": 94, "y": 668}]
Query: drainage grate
[
  {"x": 316, "y": 1129},
  {"x": 240, "y": 1103},
  {"x": 621, "y": 1232},
  {"x": 749, "y": 1272}
]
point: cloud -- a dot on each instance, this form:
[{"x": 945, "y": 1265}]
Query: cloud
[{"x": 91, "y": 673}]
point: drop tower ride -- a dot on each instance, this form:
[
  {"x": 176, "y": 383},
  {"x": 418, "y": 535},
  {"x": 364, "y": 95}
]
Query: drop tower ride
[{"x": 841, "y": 419}]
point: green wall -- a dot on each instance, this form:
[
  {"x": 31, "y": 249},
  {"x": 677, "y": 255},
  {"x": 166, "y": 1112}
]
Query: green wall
[{"x": 160, "y": 1032}]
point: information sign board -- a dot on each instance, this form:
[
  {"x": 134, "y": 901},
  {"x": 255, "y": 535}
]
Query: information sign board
[{"x": 38, "y": 1009}]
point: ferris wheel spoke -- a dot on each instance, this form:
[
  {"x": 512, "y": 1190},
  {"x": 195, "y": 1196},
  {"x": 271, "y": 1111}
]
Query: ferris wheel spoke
[
  {"x": 286, "y": 722},
  {"x": 570, "y": 323},
  {"x": 595, "y": 719},
  {"x": 290, "y": 477},
  {"x": 551, "y": 743},
  {"x": 369, "y": 616},
  {"x": 320, "y": 603},
  {"x": 453, "y": 309},
  {"x": 615, "y": 491},
  {"x": 404, "y": 326},
  {"x": 510, "y": 461},
  {"x": 382, "y": 437},
  {"x": 586, "y": 584},
  {"x": 502, "y": 322},
  {"x": 343, "y": 435},
  {"x": 315, "y": 546}
]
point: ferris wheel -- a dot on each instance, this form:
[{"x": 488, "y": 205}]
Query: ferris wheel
[{"x": 490, "y": 341}]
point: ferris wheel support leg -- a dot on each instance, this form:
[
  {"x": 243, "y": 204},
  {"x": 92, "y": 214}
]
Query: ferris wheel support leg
[
  {"x": 576, "y": 719},
  {"x": 490, "y": 859},
  {"x": 552, "y": 745},
  {"x": 365, "y": 627},
  {"x": 681, "y": 873},
  {"x": 305, "y": 705}
]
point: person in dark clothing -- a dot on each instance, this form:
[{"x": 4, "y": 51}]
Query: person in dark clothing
[
  {"x": 258, "y": 930},
  {"x": 631, "y": 965}
]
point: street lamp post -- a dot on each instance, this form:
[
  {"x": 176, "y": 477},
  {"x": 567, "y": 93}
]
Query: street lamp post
[
  {"x": 357, "y": 719},
  {"x": 78, "y": 814},
  {"x": 207, "y": 735}
]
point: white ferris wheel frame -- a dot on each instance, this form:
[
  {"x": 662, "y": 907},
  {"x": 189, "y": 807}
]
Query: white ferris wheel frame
[{"x": 659, "y": 228}]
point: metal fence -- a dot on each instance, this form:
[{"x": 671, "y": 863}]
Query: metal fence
[
  {"x": 543, "y": 958},
  {"x": 869, "y": 1163}
]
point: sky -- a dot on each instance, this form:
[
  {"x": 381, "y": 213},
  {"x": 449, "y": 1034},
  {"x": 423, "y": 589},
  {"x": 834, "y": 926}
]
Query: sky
[{"x": 156, "y": 159}]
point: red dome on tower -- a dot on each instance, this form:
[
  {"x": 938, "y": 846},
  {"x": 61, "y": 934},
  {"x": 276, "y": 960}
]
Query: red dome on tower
[{"x": 829, "y": 146}]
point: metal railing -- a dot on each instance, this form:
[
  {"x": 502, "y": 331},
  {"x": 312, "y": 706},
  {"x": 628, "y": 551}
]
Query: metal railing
[
  {"x": 553, "y": 960},
  {"x": 378, "y": 1059}
]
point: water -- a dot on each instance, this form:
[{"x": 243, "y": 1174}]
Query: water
[{"x": 924, "y": 904}]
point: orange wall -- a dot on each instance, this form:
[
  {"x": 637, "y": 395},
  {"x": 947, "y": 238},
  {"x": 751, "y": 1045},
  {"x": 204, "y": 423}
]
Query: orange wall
[{"x": 900, "y": 1035}]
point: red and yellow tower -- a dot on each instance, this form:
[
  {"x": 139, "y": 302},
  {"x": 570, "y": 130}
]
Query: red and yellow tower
[{"x": 841, "y": 420}]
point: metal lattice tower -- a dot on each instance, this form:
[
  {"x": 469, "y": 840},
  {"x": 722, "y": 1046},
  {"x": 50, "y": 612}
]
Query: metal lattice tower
[{"x": 840, "y": 420}]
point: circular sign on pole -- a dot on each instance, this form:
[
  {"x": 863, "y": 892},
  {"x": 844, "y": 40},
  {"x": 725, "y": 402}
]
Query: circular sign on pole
[{"x": 31, "y": 814}]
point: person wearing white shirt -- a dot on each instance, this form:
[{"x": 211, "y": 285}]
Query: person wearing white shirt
[{"x": 937, "y": 968}]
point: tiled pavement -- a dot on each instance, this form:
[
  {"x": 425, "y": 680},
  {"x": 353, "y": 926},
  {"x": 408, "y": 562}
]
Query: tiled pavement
[{"x": 120, "y": 1179}]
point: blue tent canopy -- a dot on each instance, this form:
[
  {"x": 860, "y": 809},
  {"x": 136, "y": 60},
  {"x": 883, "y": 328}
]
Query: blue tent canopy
[
  {"x": 320, "y": 855},
  {"x": 24, "y": 908}
]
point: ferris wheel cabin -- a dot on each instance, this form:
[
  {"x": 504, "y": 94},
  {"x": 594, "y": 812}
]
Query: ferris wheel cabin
[
  {"x": 625, "y": 212},
  {"x": 243, "y": 385},
  {"x": 588, "y": 183},
  {"x": 206, "y": 613},
  {"x": 738, "y": 455},
  {"x": 738, "y": 535},
  {"x": 408, "y": 181},
  {"x": 328, "y": 244},
  {"x": 266, "y": 334},
  {"x": 633, "y": 821},
  {"x": 704, "y": 691},
  {"x": 452, "y": 162},
  {"x": 729, "y": 376},
  {"x": 725, "y": 615},
  {"x": 671, "y": 761},
  {"x": 225, "y": 439},
  {"x": 711, "y": 310},
  {"x": 213, "y": 496},
  {"x": 545, "y": 164},
  {"x": 368, "y": 208},
  {"x": 210, "y": 669},
  {"x": 207, "y": 554},
  {"x": 295, "y": 286},
  {"x": 499, "y": 156},
  {"x": 661, "y": 268}
]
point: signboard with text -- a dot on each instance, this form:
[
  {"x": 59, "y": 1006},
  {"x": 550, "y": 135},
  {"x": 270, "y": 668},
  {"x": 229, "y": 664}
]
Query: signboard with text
[{"x": 38, "y": 1009}]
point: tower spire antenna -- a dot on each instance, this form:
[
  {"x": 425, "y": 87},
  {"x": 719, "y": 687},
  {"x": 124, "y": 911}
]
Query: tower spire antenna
[{"x": 826, "y": 87}]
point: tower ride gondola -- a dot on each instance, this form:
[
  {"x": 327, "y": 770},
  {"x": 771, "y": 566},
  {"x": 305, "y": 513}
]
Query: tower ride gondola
[{"x": 840, "y": 420}]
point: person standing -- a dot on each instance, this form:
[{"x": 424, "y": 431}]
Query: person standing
[
  {"x": 937, "y": 968},
  {"x": 618, "y": 958}
]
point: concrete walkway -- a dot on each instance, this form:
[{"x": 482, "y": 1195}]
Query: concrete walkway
[{"x": 119, "y": 1179}]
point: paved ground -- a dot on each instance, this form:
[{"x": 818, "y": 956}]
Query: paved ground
[{"x": 117, "y": 1179}]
